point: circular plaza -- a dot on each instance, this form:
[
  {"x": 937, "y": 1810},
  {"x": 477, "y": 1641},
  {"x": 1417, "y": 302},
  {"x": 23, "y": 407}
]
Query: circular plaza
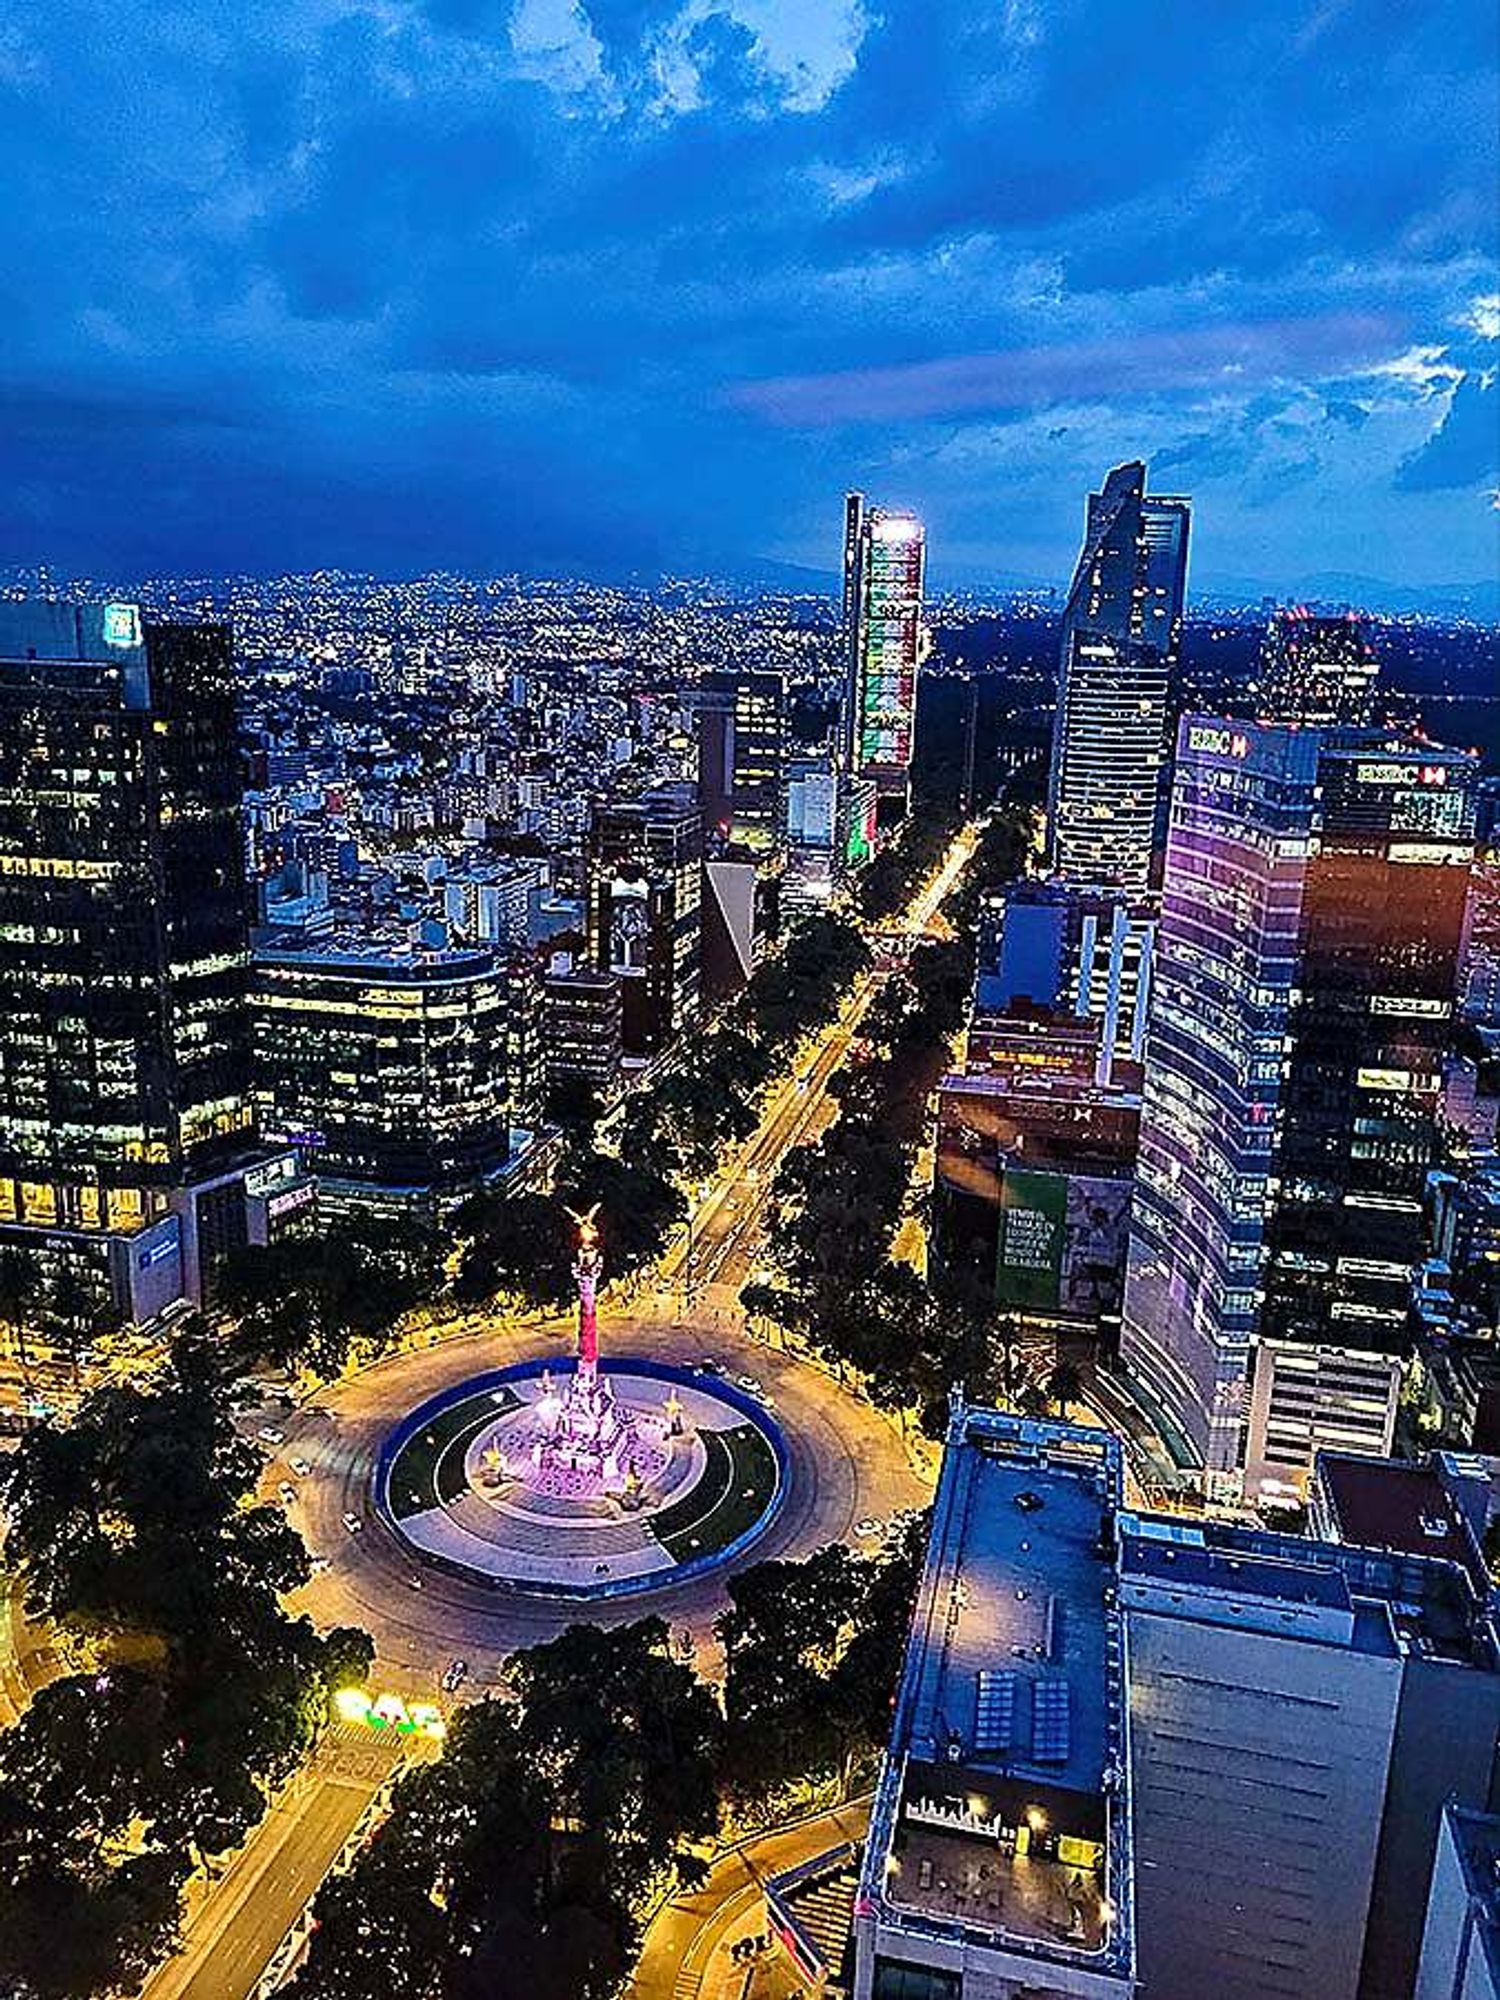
[{"x": 583, "y": 1478}]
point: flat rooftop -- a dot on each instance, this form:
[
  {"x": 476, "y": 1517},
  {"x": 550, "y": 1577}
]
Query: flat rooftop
[
  {"x": 1387, "y": 1504},
  {"x": 1001, "y": 1812},
  {"x": 1372, "y": 1599}
]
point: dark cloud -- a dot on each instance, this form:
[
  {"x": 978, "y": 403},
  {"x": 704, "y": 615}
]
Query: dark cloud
[
  {"x": 1464, "y": 450},
  {"x": 466, "y": 278}
]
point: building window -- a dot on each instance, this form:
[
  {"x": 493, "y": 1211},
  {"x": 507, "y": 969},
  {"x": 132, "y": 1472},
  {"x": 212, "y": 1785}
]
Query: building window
[{"x": 894, "y": 1981}]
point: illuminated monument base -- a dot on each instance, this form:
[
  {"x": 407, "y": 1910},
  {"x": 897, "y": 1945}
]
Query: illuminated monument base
[{"x": 584, "y": 1480}]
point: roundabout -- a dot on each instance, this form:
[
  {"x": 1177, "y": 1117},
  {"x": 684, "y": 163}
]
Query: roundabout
[
  {"x": 468, "y": 1484},
  {"x": 591, "y": 1480}
]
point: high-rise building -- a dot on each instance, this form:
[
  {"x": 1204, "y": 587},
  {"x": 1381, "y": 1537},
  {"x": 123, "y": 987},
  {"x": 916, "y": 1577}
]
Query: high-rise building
[
  {"x": 581, "y": 1013},
  {"x": 1037, "y": 1134},
  {"x": 1120, "y": 635},
  {"x": 388, "y": 1067},
  {"x": 885, "y": 553},
  {"x": 1300, "y": 1711},
  {"x": 645, "y": 911},
  {"x": 999, "y": 1859},
  {"x": 1302, "y": 999},
  {"x": 1317, "y": 670},
  {"x": 125, "y": 1113},
  {"x": 1461, "y": 1942},
  {"x": 1135, "y": 1755},
  {"x": 742, "y": 744}
]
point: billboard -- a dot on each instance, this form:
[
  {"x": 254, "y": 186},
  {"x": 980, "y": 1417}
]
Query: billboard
[{"x": 1033, "y": 1226}]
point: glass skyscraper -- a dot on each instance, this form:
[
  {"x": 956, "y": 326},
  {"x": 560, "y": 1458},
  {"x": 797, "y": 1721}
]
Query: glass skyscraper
[
  {"x": 1317, "y": 670},
  {"x": 124, "y": 941},
  {"x": 1305, "y": 970},
  {"x": 885, "y": 555},
  {"x": 1120, "y": 637}
]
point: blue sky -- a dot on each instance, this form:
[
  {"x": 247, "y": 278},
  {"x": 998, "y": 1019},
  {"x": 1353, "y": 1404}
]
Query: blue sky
[{"x": 593, "y": 285}]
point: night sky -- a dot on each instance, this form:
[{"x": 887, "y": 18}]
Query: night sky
[{"x": 617, "y": 285}]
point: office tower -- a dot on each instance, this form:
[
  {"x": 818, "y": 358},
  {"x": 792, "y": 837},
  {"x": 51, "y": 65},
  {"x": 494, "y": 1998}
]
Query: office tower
[
  {"x": 810, "y": 836},
  {"x": 999, "y": 1859},
  {"x": 1299, "y": 1712},
  {"x": 885, "y": 553},
  {"x": 742, "y": 744},
  {"x": 386, "y": 1065},
  {"x": 645, "y": 912},
  {"x": 1120, "y": 634},
  {"x": 125, "y": 1114},
  {"x": 1302, "y": 998},
  {"x": 1460, "y": 1957},
  {"x": 1479, "y": 969},
  {"x": 582, "y": 1015},
  {"x": 1319, "y": 671},
  {"x": 1037, "y": 1130}
]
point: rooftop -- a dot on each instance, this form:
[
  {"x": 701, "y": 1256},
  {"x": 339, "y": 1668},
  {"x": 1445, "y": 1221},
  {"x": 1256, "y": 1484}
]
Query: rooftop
[
  {"x": 1389, "y": 1504},
  {"x": 999, "y": 1806}
]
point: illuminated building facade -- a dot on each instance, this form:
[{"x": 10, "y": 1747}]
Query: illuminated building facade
[
  {"x": 645, "y": 912},
  {"x": 742, "y": 741},
  {"x": 389, "y": 1068},
  {"x": 1319, "y": 671},
  {"x": 125, "y": 1111},
  {"x": 1120, "y": 636},
  {"x": 581, "y": 1014},
  {"x": 1303, "y": 994},
  {"x": 1036, "y": 1136},
  {"x": 885, "y": 554},
  {"x": 1137, "y": 1754}
]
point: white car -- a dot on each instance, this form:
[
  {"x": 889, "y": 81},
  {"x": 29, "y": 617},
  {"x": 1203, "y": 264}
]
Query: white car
[
  {"x": 301, "y": 1467},
  {"x": 353, "y": 1523},
  {"x": 268, "y": 1434},
  {"x": 455, "y": 1676},
  {"x": 869, "y": 1526},
  {"x": 749, "y": 1384},
  {"x": 286, "y": 1493}
]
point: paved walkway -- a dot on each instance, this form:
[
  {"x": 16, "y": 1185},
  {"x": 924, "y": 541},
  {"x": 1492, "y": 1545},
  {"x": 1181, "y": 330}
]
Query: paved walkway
[{"x": 686, "y": 1953}]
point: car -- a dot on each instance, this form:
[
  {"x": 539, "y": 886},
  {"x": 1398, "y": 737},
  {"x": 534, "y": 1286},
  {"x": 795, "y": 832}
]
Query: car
[
  {"x": 414, "y": 1582},
  {"x": 301, "y": 1467},
  {"x": 454, "y": 1675},
  {"x": 353, "y": 1523},
  {"x": 749, "y": 1384},
  {"x": 708, "y": 1366},
  {"x": 317, "y": 1564},
  {"x": 869, "y": 1526},
  {"x": 286, "y": 1493},
  {"x": 268, "y": 1434}
]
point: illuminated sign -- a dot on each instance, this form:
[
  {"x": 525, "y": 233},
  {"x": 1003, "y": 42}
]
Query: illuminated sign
[
  {"x": 122, "y": 625},
  {"x": 290, "y": 1199},
  {"x": 1029, "y": 1253},
  {"x": 389, "y": 1711},
  {"x": 1218, "y": 742},
  {"x": 1393, "y": 773}
]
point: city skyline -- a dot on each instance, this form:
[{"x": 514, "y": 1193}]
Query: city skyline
[{"x": 605, "y": 295}]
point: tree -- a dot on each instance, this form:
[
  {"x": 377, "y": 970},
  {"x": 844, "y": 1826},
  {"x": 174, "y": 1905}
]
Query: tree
[
  {"x": 1064, "y": 1385},
  {"x": 19, "y": 1286}
]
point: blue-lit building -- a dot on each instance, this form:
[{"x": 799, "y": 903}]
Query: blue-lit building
[
  {"x": 1304, "y": 988},
  {"x": 999, "y": 1856}
]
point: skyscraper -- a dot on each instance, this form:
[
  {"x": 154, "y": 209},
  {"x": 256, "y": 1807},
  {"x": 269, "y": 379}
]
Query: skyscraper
[
  {"x": 1316, "y": 670},
  {"x": 1312, "y": 910},
  {"x": 742, "y": 738},
  {"x": 124, "y": 947},
  {"x": 1120, "y": 637},
  {"x": 885, "y": 554},
  {"x": 645, "y": 911}
]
